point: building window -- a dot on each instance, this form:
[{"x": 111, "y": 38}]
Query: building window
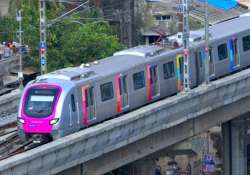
[
  {"x": 107, "y": 91},
  {"x": 73, "y": 104},
  {"x": 162, "y": 17},
  {"x": 246, "y": 43},
  {"x": 168, "y": 70},
  {"x": 158, "y": 18},
  {"x": 222, "y": 51},
  {"x": 139, "y": 80}
]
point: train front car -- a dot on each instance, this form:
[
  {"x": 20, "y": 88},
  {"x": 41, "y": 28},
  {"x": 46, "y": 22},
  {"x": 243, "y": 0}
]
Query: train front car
[{"x": 39, "y": 114}]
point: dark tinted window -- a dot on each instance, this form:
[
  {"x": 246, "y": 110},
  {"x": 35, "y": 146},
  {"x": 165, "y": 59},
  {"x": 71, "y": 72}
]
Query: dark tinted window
[
  {"x": 40, "y": 102},
  {"x": 211, "y": 55},
  {"x": 222, "y": 51},
  {"x": 181, "y": 60},
  {"x": 153, "y": 74},
  {"x": 107, "y": 91},
  {"x": 246, "y": 43},
  {"x": 139, "y": 80},
  {"x": 89, "y": 97},
  {"x": 73, "y": 104},
  {"x": 158, "y": 17},
  {"x": 123, "y": 85},
  {"x": 168, "y": 70},
  {"x": 200, "y": 58}
]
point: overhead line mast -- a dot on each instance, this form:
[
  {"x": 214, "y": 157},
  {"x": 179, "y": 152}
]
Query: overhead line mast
[
  {"x": 186, "y": 34},
  {"x": 43, "y": 29},
  {"x": 43, "y": 47},
  {"x": 207, "y": 60}
]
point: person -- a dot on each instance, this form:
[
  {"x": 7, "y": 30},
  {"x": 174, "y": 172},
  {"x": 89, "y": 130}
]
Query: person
[
  {"x": 6, "y": 51},
  {"x": 189, "y": 168},
  {"x": 1, "y": 51},
  {"x": 11, "y": 48},
  {"x": 157, "y": 168}
]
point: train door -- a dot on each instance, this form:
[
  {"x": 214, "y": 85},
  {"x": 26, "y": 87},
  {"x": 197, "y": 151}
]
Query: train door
[
  {"x": 211, "y": 62},
  {"x": 234, "y": 54},
  {"x": 153, "y": 85},
  {"x": 199, "y": 61},
  {"x": 88, "y": 105},
  {"x": 179, "y": 72},
  {"x": 122, "y": 92}
]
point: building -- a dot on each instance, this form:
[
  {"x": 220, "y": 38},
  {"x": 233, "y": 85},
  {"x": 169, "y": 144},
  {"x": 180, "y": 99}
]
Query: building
[
  {"x": 4, "y": 7},
  {"x": 164, "y": 20}
]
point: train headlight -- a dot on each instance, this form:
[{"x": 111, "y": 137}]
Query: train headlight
[
  {"x": 54, "y": 121},
  {"x": 20, "y": 120}
]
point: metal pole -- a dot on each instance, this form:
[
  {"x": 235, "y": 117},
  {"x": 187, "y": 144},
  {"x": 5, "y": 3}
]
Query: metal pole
[
  {"x": 186, "y": 44},
  {"x": 180, "y": 18},
  {"x": 43, "y": 59},
  {"x": 207, "y": 60},
  {"x": 20, "y": 73}
]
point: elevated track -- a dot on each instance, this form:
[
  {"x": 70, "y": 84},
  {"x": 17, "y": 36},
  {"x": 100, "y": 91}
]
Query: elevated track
[{"x": 142, "y": 132}]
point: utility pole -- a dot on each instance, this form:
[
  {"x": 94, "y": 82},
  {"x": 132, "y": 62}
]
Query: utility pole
[
  {"x": 20, "y": 73},
  {"x": 129, "y": 18},
  {"x": 131, "y": 22},
  {"x": 207, "y": 60},
  {"x": 180, "y": 18},
  {"x": 186, "y": 44},
  {"x": 43, "y": 25}
]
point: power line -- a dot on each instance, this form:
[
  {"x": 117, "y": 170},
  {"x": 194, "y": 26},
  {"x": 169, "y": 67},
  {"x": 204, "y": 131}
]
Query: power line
[
  {"x": 43, "y": 28},
  {"x": 69, "y": 12}
]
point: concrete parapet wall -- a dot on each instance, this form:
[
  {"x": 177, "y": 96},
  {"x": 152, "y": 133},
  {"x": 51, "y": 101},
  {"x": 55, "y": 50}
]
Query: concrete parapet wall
[
  {"x": 201, "y": 108},
  {"x": 9, "y": 102}
]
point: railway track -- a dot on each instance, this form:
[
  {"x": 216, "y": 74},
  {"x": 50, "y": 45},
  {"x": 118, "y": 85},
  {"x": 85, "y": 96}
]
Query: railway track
[{"x": 10, "y": 144}]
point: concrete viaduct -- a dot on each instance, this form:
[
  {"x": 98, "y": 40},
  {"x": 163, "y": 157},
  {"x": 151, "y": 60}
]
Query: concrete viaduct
[{"x": 150, "y": 129}]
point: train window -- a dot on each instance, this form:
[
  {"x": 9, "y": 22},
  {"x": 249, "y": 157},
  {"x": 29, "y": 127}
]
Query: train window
[
  {"x": 168, "y": 70},
  {"x": 222, "y": 51},
  {"x": 73, "y": 104},
  {"x": 139, "y": 80},
  {"x": 153, "y": 74},
  {"x": 39, "y": 102},
  {"x": 201, "y": 59},
  {"x": 107, "y": 91},
  {"x": 123, "y": 85},
  {"x": 246, "y": 43},
  {"x": 89, "y": 97}
]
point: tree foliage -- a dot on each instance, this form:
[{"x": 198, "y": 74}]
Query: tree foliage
[{"x": 71, "y": 41}]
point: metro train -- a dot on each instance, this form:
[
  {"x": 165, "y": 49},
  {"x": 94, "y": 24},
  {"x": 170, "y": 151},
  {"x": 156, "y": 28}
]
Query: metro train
[{"x": 67, "y": 100}]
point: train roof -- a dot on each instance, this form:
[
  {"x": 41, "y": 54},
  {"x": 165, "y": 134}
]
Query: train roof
[
  {"x": 126, "y": 59},
  {"x": 121, "y": 61},
  {"x": 227, "y": 28}
]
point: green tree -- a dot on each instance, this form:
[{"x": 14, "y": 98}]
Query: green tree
[{"x": 70, "y": 41}]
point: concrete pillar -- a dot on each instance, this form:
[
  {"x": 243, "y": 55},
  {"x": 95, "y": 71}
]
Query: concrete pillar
[
  {"x": 234, "y": 146},
  {"x": 227, "y": 156},
  {"x": 77, "y": 170},
  {"x": 142, "y": 167},
  {"x": 239, "y": 163}
]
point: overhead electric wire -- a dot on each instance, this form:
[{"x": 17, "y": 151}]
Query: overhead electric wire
[{"x": 67, "y": 13}]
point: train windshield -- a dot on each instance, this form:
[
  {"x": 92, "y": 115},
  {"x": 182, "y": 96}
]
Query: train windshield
[{"x": 40, "y": 102}]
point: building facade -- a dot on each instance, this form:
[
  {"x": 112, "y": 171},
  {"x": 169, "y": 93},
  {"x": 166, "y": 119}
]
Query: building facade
[{"x": 4, "y": 7}]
